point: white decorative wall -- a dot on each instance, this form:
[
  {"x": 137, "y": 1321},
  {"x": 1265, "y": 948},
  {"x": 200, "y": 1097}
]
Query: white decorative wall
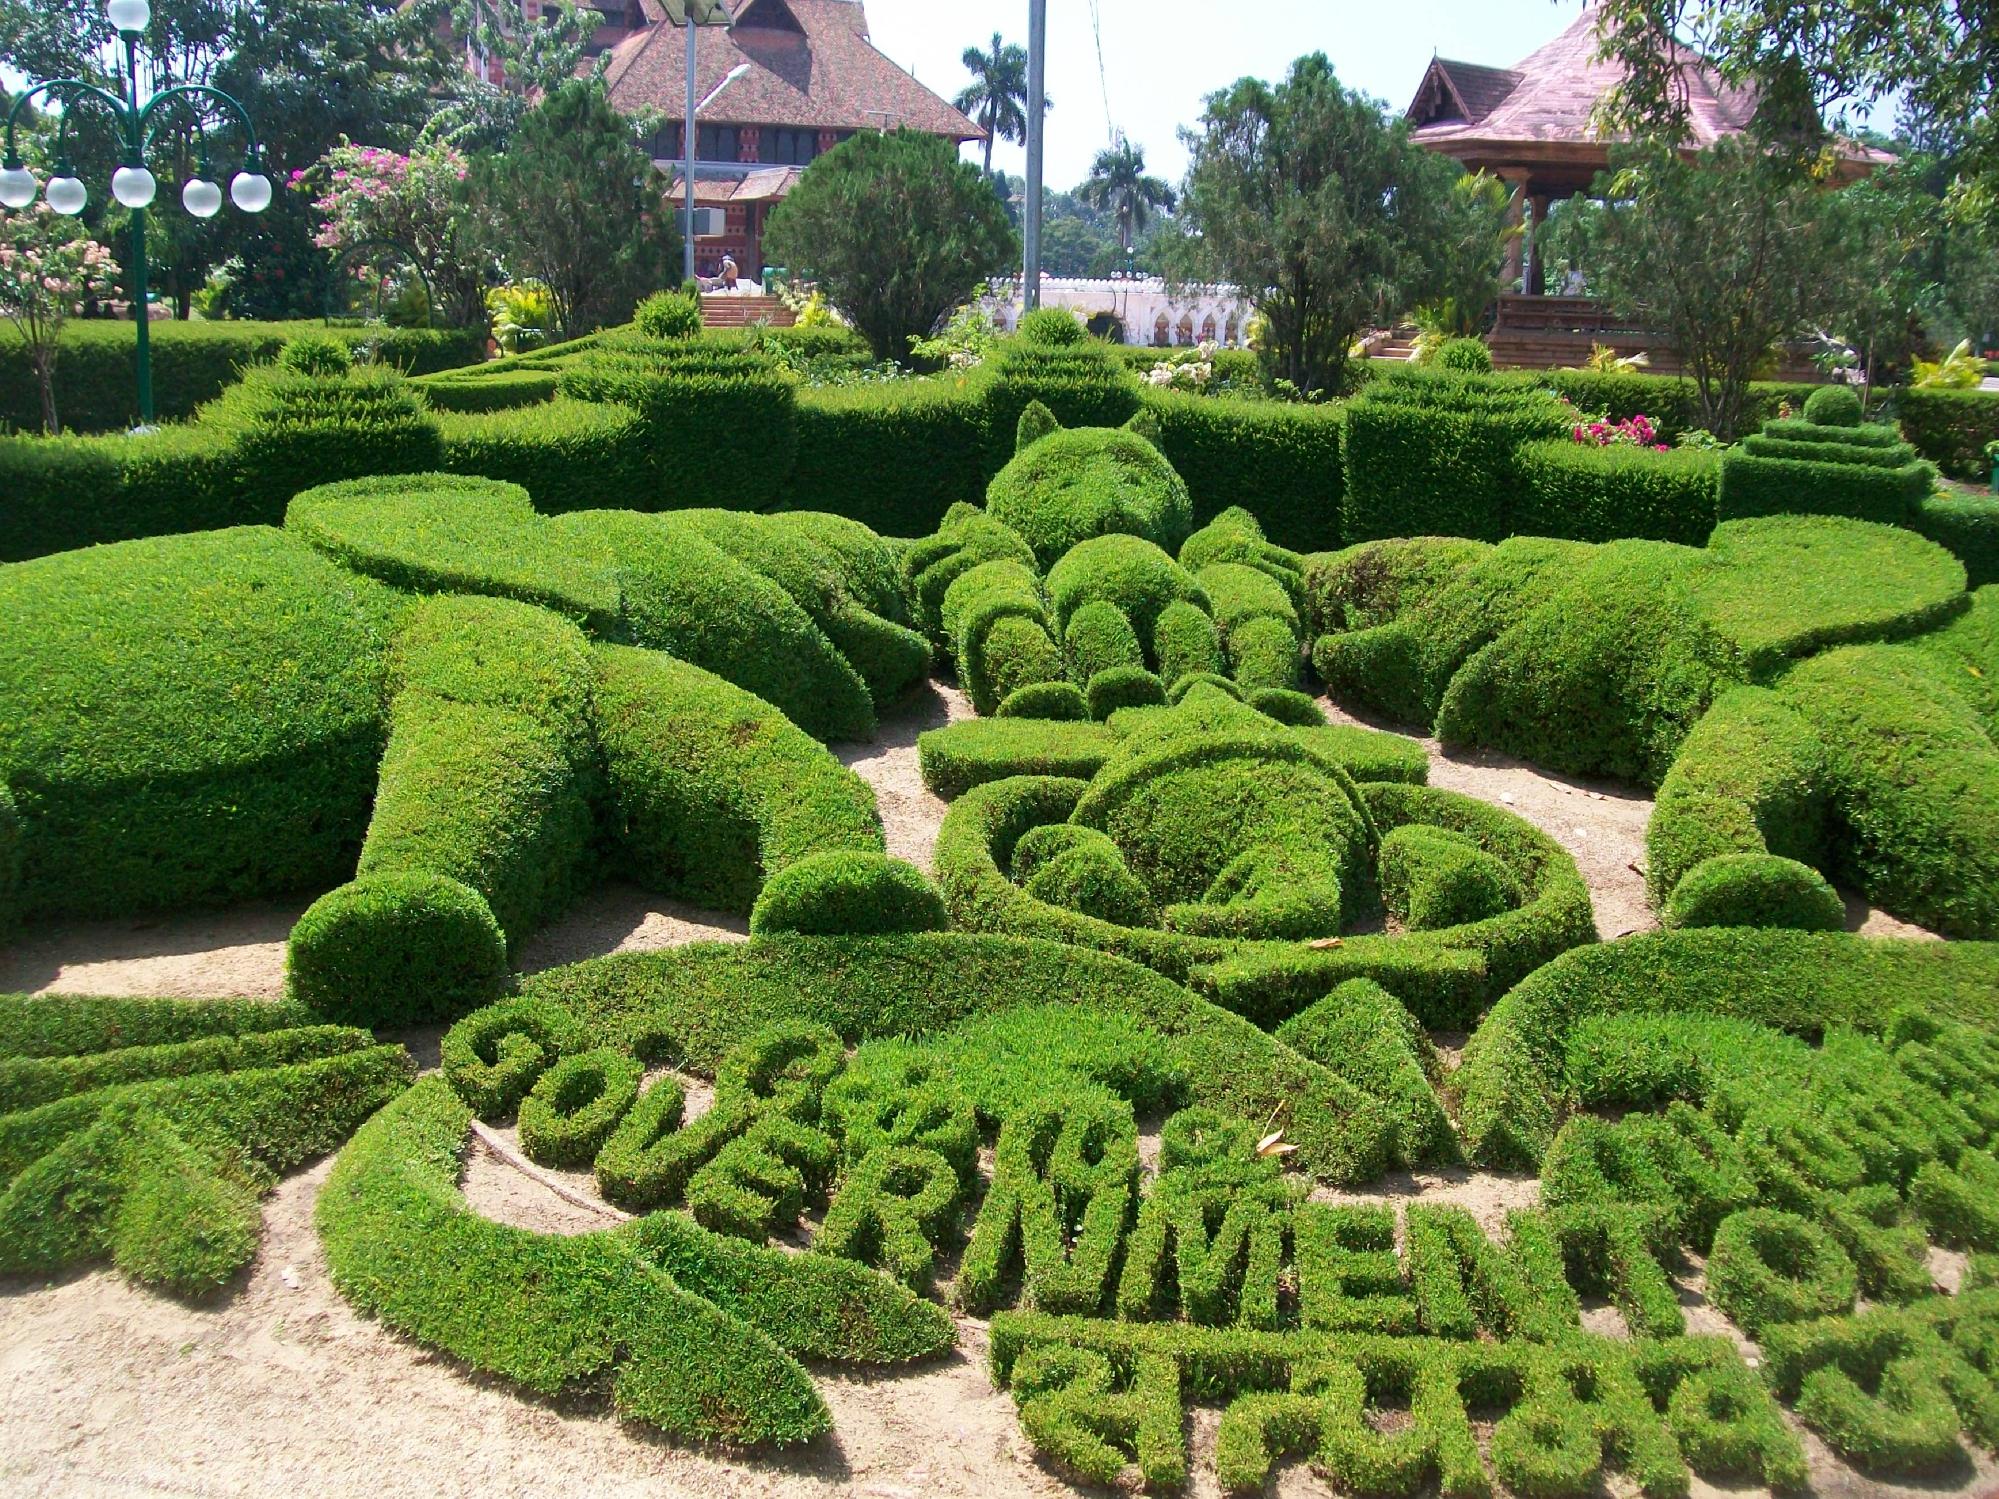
[{"x": 1146, "y": 311}]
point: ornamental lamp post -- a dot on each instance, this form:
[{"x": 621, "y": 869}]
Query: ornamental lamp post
[{"x": 132, "y": 185}]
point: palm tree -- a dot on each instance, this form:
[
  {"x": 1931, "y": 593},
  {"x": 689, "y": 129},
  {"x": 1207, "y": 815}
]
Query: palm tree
[
  {"x": 1117, "y": 182},
  {"x": 996, "y": 100}
]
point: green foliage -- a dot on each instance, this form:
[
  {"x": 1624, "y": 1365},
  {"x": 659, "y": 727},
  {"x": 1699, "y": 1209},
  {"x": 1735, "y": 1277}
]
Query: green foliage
[
  {"x": 712, "y": 791},
  {"x": 894, "y": 456},
  {"x": 1361, "y": 1033},
  {"x": 567, "y": 454},
  {"x": 696, "y": 1337},
  {"x": 1833, "y": 406},
  {"x": 999, "y": 632},
  {"x": 494, "y": 1056},
  {"x": 1283, "y": 458},
  {"x": 1769, "y": 1267},
  {"x": 1069, "y": 486},
  {"x": 965, "y": 755},
  {"x": 206, "y": 730},
  {"x": 1055, "y": 326},
  {"x": 668, "y": 314},
  {"x": 1465, "y": 356},
  {"x": 315, "y": 354},
  {"x": 847, "y": 891},
  {"x": 1432, "y": 878},
  {"x": 1591, "y": 493},
  {"x": 898, "y": 198},
  {"x": 1824, "y": 467},
  {"x": 576, "y": 1104},
  {"x": 291, "y": 431},
  {"x": 1755, "y": 890},
  {"x": 97, "y": 384},
  {"x": 1951, "y": 428},
  {"x": 392, "y": 949},
  {"x": 1966, "y": 526},
  {"x": 1439, "y": 455},
  {"x": 487, "y": 390}
]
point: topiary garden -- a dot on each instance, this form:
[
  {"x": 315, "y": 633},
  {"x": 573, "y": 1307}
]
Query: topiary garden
[{"x": 1171, "y": 1079}]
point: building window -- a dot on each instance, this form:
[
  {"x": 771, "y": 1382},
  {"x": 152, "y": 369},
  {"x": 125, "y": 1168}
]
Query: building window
[
  {"x": 716, "y": 143},
  {"x": 791, "y": 148},
  {"x": 667, "y": 144}
]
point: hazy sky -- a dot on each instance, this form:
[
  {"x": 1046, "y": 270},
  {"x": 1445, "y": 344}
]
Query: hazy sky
[{"x": 1162, "y": 57}]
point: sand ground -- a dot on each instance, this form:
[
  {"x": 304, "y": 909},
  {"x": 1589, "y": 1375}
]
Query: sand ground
[{"x": 279, "y": 1388}]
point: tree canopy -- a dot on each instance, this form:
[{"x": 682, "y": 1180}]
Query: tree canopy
[
  {"x": 1117, "y": 183},
  {"x": 896, "y": 230},
  {"x": 996, "y": 98}
]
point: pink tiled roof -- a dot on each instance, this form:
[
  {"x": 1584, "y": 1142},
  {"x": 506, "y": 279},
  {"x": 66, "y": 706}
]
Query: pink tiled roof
[
  {"x": 1552, "y": 95},
  {"x": 825, "y": 74}
]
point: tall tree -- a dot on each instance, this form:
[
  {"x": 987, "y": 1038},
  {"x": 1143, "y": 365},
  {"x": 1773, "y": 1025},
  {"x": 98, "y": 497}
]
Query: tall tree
[
  {"x": 571, "y": 203},
  {"x": 1118, "y": 184},
  {"x": 1328, "y": 214},
  {"x": 996, "y": 98},
  {"x": 534, "y": 57},
  {"x": 1724, "y": 254},
  {"x": 896, "y": 230}
]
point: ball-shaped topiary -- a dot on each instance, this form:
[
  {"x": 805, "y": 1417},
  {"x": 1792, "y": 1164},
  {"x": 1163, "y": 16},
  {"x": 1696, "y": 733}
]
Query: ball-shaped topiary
[
  {"x": 1761, "y": 890},
  {"x": 1465, "y": 356},
  {"x": 1055, "y": 326},
  {"x": 397, "y": 949},
  {"x": 1064, "y": 487},
  {"x": 847, "y": 891},
  {"x": 669, "y": 314},
  {"x": 1833, "y": 406}
]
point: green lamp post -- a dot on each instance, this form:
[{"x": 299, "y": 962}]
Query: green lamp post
[{"x": 132, "y": 184}]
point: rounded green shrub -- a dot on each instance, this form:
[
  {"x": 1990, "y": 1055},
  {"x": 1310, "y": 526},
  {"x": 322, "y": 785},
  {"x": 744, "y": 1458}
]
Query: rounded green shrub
[
  {"x": 310, "y": 354},
  {"x": 1185, "y": 642},
  {"x": 1097, "y": 638},
  {"x": 1299, "y": 710},
  {"x": 1760, "y": 890},
  {"x": 1433, "y": 878},
  {"x": 669, "y": 314},
  {"x": 1833, "y": 406},
  {"x": 396, "y": 949},
  {"x": 1075, "y": 484},
  {"x": 1465, "y": 356},
  {"x": 847, "y": 891},
  {"x": 1056, "y": 327},
  {"x": 1128, "y": 571},
  {"x": 1176, "y": 693},
  {"x": 1123, "y": 687},
  {"x": 1090, "y": 877},
  {"x": 1263, "y": 653},
  {"x": 1768, "y": 1267},
  {"x": 1062, "y": 701}
]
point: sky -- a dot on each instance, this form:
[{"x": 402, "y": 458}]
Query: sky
[{"x": 1162, "y": 57}]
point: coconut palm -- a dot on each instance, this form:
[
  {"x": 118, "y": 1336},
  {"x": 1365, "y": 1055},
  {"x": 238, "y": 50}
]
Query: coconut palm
[
  {"x": 996, "y": 99},
  {"x": 1118, "y": 184}
]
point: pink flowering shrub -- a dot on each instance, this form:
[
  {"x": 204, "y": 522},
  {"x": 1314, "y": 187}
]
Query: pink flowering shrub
[
  {"x": 1633, "y": 432},
  {"x": 418, "y": 201},
  {"x": 48, "y": 268}
]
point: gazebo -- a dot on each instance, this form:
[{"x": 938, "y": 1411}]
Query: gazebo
[{"x": 1536, "y": 126}]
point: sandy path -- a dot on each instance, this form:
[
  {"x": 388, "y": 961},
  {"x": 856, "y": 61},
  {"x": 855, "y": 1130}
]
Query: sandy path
[{"x": 282, "y": 1389}]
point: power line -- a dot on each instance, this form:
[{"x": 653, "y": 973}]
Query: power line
[{"x": 1103, "y": 78}]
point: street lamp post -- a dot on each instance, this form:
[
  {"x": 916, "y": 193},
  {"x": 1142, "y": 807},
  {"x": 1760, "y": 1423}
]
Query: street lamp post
[
  {"x": 132, "y": 184},
  {"x": 697, "y": 13}
]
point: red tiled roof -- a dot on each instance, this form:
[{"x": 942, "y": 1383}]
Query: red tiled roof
[
  {"x": 759, "y": 184},
  {"x": 825, "y": 75},
  {"x": 1553, "y": 95}
]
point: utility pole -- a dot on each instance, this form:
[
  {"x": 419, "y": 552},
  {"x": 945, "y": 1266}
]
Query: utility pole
[{"x": 1037, "y": 116}]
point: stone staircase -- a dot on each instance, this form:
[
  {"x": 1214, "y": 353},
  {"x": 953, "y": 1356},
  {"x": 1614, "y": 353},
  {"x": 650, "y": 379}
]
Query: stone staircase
[{"x": 721, "y": 310}]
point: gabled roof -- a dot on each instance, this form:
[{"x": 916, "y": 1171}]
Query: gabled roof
[
  {"x": 825, "y": 74},
  {"x": 1461, "y": 91}
]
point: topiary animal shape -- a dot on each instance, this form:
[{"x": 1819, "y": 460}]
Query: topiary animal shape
[{"x": 1065, "y": 486}]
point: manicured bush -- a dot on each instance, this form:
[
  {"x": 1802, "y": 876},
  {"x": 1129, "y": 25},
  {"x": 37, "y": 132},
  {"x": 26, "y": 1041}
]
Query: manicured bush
[
  {"x": 396, "y": 949},
  {"x": 1360, "y": 1032},
  {"x": 1914, "y": 778},
  {"x": 292, "y": 431},
  {"x": 1081, "y": 385},
  {"x": 1967, "y": 526},
  {"x": 576, "y": 1104},
  {"x": 1439, "y": 455},
  {"x": 1755, "y": 890},
  {"x": 1752, "y": 485},
  {"x": 63, "y": 1025},
  {"x": 1282, "y": 460},
  {"x": 1097, "y": 638},
  {"x": 1833, "y": 406},
  {"x": 1950, "y": 427},
  {"x": 445, "y": 533},
  {"x": 1465, "y": 356},
  {"x": 1769, "y": 1267},
  {"x": 1056, "y": 326},
  {"x": 955, "y": 759},
  {"x": 1055, "y": 700},
  {"x": 206, "y": 730},
  {"x": 999, "y": 631},
  {"x": 96, "y": 377},
  {"x": 847, "y": 891},
  {"x": 695, "y": 1337},
  {"x": 668, "y": 314},
  {"x": 1804, "y": 980},
  {"x": 712, "y": 791},
  {"x": 1127, "y": 571},
  {"x": 1067, "y": 486},
  {"x": 684, "y": 595},
  {"x": 65, "y": 492},
  {"x": 1119, "y": 687},
  {"x": 494, "y": 1056},
  {"x": 895, "y": 457},
  {"x": 28, "y": 1081},
  {"x": 568, "y": 455},
  {"x": 1433, "y": 878},
  {"x": 488, "y": 390},
  {"x": 1590, "y": 493}
]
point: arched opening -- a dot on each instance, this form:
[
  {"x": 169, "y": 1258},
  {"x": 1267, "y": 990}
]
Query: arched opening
[
  {"x": 1162, "y": 333},
  {"x": 1106, "y": 325},
  {"x": 1208, "y": 329},
  {"x": 1186, "y": 328},
  {"x": 1232, "y": 329}
]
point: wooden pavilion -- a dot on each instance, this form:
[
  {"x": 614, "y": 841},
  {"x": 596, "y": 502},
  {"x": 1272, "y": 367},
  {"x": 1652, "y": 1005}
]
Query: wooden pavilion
[{"x": 1536, "y": 126}]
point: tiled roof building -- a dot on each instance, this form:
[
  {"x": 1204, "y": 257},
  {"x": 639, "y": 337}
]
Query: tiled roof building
[{"x": 813, "y": 78}]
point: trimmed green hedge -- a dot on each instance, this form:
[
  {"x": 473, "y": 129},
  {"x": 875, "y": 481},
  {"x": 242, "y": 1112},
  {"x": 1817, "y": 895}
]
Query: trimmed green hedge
[
  {"x": 1510, "y": 1081},
  {"x": 695, "y": 1336},
  {"x": 1950, "y": 427},
  {"x": 895, "y": 457},
  {"x": 97, "y": 380},
  {"x": 568, "y": 455},
  {"x": 488, "y": 390},
  {"x": 205, "y": 730},
  {"x": 710, "y": 790},
  {"x": 1967, "y": 526},
  {"x": 1069, "y": 485},
  {"x": 1280, "y": 461},
  {"x": 1587, "y": 493}
]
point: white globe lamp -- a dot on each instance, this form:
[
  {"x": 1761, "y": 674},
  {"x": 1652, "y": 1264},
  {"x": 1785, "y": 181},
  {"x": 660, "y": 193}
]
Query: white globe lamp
[
  {"x": 17, "y": 187},
  {"x": 134, "y": 187},
  {"x": 129, "y": 17},
  {"x": 66, "y": 193},
  {"x": 201, "y": 197},
  {"x": 250, "y": 191}
]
